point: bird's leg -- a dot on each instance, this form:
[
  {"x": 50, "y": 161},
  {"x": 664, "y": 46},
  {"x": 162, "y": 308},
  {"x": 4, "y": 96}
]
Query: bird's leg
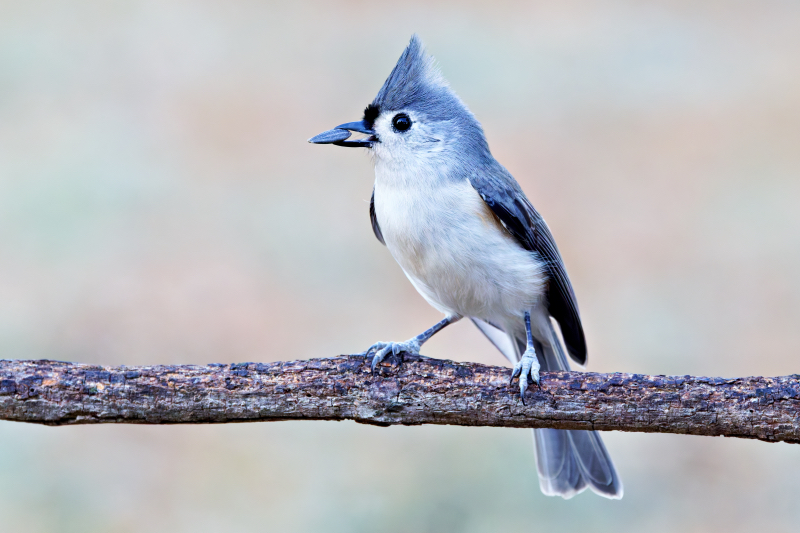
[
  {"x": 411, "y": 346},
  {"x": 528, "y": 365}
]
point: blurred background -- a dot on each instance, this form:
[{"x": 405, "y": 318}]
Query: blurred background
[{"x": 159, "y": 204}]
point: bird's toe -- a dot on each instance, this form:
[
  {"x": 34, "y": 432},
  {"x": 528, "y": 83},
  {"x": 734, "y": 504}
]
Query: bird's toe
[
  {"x": 527, "y": 368},
  {"x": 380, "y": 350}
]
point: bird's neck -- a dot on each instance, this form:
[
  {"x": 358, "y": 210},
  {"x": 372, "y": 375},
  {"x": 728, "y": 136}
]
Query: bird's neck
[{"x": 421, "y": 174}]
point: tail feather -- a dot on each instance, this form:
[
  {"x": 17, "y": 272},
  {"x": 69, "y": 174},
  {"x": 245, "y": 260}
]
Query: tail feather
[
  {"x": 559, "y": 471},
  {"x": 595, "y": 463},
  {"x": 568, "y": 461}
]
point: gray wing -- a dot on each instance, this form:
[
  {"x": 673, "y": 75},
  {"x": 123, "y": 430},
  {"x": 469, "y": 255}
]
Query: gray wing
[
  {"x": 374, "y": 219},
  {"x": 505, "y": 198}
]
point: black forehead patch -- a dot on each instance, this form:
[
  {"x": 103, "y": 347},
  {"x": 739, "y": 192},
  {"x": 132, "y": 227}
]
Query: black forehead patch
[{"x": 371, "y": 112}]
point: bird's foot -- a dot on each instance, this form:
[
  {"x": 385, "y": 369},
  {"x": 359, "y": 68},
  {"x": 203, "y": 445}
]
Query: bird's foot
[
  {"x": 382, "y": 349},
  {"x": 527, "y": 366}
]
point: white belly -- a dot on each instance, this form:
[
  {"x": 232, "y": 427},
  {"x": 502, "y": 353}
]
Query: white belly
[{"x": 456, "y": 253}]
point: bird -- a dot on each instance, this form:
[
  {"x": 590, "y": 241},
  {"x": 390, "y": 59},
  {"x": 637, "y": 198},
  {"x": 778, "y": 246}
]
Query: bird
[{"x": 472, "y": 244}]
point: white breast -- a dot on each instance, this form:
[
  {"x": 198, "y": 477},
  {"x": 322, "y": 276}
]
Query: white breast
[{"x": 454, "y": 250}]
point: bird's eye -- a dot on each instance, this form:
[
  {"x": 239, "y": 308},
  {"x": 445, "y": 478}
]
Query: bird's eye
[{"x": 401, "y": 122}]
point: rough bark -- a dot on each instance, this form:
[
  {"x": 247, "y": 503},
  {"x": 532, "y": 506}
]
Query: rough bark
[{"x": 418, "y": 391}]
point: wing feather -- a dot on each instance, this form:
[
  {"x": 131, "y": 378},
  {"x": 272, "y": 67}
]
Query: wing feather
[
  {"x": 505, "y": 198},
  {"x": 374, "y": 219}
]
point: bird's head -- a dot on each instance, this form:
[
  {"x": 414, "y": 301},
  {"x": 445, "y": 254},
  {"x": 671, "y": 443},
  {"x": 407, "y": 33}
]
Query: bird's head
[{"x": 414, "y": 116}]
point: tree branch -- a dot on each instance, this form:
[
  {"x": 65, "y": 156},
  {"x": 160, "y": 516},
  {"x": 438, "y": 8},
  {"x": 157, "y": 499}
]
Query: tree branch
[{"x": 420, "y": 391}]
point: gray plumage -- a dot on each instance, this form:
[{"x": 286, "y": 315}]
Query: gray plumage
[{"x": 472, "y": 244}]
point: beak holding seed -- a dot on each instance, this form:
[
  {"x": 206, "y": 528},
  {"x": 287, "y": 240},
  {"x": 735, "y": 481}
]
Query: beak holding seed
[{"x": 339, "y": 135}]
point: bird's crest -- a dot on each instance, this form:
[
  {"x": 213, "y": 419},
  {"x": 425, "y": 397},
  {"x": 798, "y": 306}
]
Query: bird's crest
[{"x": 415, "y": 82}]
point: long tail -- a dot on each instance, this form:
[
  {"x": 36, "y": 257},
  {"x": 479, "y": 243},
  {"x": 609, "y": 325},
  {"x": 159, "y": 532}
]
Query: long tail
[{"x": 568, "y": 461}]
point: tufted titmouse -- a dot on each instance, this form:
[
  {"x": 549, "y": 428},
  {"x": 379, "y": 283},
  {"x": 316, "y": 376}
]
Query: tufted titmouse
[{"x": 472, "y": 244}]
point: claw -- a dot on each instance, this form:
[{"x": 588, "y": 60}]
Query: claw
[
  {"x": 375, "y": 350},
  {"x": 528, "y": 365},
  {"x": 382, "y": 349},
  {"x": 380, "y": 355}
]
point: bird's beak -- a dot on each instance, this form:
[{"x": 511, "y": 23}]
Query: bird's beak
[{"x": 340, "y": 133}]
